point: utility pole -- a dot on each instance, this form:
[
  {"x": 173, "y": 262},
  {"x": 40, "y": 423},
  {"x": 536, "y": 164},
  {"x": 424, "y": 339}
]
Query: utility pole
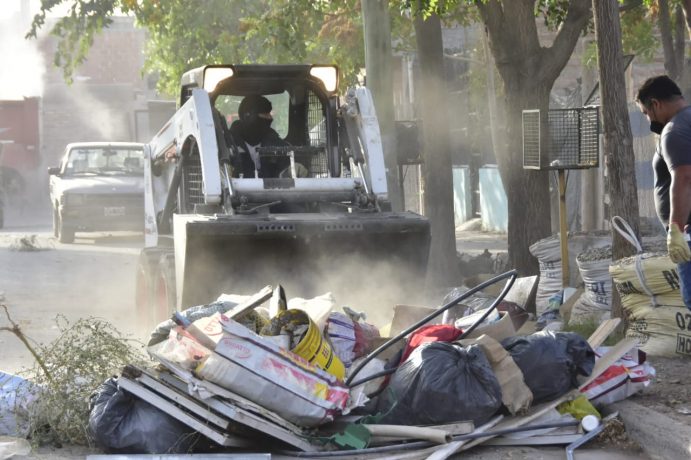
[{"x": 378, "y": 65}]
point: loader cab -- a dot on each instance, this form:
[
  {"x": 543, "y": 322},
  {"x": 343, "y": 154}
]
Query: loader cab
[{"x": 304, "y": 104}]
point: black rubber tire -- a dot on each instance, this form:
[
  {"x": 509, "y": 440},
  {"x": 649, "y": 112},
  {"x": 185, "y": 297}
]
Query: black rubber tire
[
  {"x": 65, "y": 233},
  {"x": 147, "y": 272},
  {"x": 165, "y": 301}
]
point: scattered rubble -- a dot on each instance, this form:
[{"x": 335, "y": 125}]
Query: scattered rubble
[{"x": 30, "y": 243}]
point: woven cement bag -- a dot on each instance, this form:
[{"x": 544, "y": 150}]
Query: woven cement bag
[
  {"x": 663, "y": 331},
  {"x": 646, "y": 280},
  {"x": 596, "y": 301},
  {"x": 548, "y": 256},
  {"x": 663, "y": 324},
  {"x": 639, "y": 304},
  {"x": 547, "y": 251}
]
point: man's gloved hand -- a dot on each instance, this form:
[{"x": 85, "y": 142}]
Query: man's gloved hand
[{"x": 677, "y": 246}]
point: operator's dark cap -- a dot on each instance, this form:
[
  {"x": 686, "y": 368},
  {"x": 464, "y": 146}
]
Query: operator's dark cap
[{"x": 252, "y": 105}]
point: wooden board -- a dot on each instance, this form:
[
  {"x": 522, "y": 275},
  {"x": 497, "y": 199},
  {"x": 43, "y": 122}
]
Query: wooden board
[
  {"x": 205, "y": 387},
  {"x": 602, "y": 332},
  {"x": 171, "y": 409},
  {"x": 545, "y": 440},
  {"x": 240, "y": 415},
  {"x": 183, "y": 400}
]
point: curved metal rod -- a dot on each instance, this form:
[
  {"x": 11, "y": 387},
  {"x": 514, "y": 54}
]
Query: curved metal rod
[{"x": 513, "y": 274}]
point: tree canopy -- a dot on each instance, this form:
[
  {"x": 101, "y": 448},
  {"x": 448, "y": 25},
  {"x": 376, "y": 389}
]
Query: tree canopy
[{"x": 183, "y": 35}]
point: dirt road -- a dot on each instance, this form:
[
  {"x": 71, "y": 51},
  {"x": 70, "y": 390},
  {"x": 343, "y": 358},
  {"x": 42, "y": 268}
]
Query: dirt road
[{"x": 92, "y": 277}]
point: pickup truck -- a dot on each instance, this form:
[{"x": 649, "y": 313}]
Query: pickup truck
[{"x": 98, "y": 186}]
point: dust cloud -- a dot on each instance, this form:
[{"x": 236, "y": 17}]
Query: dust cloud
[
  {"x": 364, "y": 282},
  {"x": 23, "y": 66}
]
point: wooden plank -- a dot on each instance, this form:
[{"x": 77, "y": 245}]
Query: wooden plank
[
  {"x": 250, "y": 304},
  {"x": 246, "y": 417},
  {"x": 603, "y": 331},
  {"x": 255, "y": 422},
  {"x": 609, "y": 358},
  {"x": 534, "y": 440},
  {"x": 184, "y": 400},
  {"x": 171, "y": 409},
  {"x": 233, "y": 398}
]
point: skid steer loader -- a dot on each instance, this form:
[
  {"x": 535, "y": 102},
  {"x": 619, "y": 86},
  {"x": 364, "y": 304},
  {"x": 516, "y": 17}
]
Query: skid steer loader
[{"x": 322, "y": 222}]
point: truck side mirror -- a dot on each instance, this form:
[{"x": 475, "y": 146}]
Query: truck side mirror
[{"x": 54, "y": 171}]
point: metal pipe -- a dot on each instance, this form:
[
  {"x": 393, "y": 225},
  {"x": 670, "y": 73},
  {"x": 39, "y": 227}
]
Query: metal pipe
[{"x": 510, "y": 274}]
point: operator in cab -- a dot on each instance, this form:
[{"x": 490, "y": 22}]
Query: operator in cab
[{"x": 251, "y": 131}]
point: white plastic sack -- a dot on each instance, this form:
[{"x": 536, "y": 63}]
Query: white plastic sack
[
  {"x": 548, "y": 253},
  {"x": 627, "y": 376},
  {"x": 596, "y": 300},
  {"x": 318, "y": 308},
  {"x": 17, "y": 395}
]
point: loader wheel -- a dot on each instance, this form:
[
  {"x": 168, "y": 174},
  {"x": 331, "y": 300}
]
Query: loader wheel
[
  {"x": 65, "y": 234},
  {"x": 164, "y": 290},
  {"x": 147, "y": 271}
]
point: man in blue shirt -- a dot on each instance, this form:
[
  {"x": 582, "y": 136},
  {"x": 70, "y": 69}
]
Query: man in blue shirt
[{"x": 661, "y": 100}]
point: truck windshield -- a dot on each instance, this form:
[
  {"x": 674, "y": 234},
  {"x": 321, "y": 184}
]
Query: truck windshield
[{"x": 105, "y": 161}]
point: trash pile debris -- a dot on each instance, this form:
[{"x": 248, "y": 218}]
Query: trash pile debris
[
  {"x": 303, "y": 377},
  {"x": 298, "y": 377}
]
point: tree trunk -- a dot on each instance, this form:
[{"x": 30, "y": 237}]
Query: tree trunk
[
  {"x": 528, "y": 70},
  {"x": 619, "y": 156},
  {"x": 672, "y": 36},
  {"x": 679, "y": 42},
  {"x": 686, "y": 6},
  {"x": 527, "y": 191},
  {"x": 437, "y": 176},
  {"x": 666, "y": 34}
]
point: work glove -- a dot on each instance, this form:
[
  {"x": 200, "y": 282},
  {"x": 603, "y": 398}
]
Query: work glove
[{"x": 677, "y": 246}]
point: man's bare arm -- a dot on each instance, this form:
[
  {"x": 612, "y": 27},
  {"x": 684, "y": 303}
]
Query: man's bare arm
[{"x": 680, "y": 195}]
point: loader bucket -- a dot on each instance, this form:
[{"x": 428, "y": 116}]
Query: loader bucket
[{"x": 367, "y": 261}]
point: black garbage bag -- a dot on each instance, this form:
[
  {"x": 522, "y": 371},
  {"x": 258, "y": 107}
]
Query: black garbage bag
[
  {"x": 441, "y": 383},
  {"x": 551, "y": 361},
  {"x": 122, "y": 423}
]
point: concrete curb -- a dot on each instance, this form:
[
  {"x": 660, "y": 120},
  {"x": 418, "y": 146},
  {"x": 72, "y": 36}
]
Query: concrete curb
[{"x": 660, "y": 436}]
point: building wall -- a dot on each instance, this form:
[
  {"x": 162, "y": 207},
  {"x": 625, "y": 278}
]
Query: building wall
[{"x": 107, "y": 89}]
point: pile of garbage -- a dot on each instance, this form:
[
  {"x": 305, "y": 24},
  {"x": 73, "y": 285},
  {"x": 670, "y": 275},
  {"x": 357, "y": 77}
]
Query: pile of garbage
[{"x": 303, "y": 377}]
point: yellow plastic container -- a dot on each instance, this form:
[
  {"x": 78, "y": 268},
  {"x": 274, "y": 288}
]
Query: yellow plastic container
[{"x": 315, "y": 349}]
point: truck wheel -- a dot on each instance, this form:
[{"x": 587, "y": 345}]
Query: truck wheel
[
  {"x": 65, "y": 234},
  {"x": 164, "y": 290},
  {"x": 147, "y": 271}
]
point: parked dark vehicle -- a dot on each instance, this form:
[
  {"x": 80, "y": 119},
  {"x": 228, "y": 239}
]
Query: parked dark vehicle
[{"x": 98, "y": 186}]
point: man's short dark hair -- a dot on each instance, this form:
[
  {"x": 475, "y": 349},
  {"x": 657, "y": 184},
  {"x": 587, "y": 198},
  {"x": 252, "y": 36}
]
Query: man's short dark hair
[{"x": 660, "y": 87}]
